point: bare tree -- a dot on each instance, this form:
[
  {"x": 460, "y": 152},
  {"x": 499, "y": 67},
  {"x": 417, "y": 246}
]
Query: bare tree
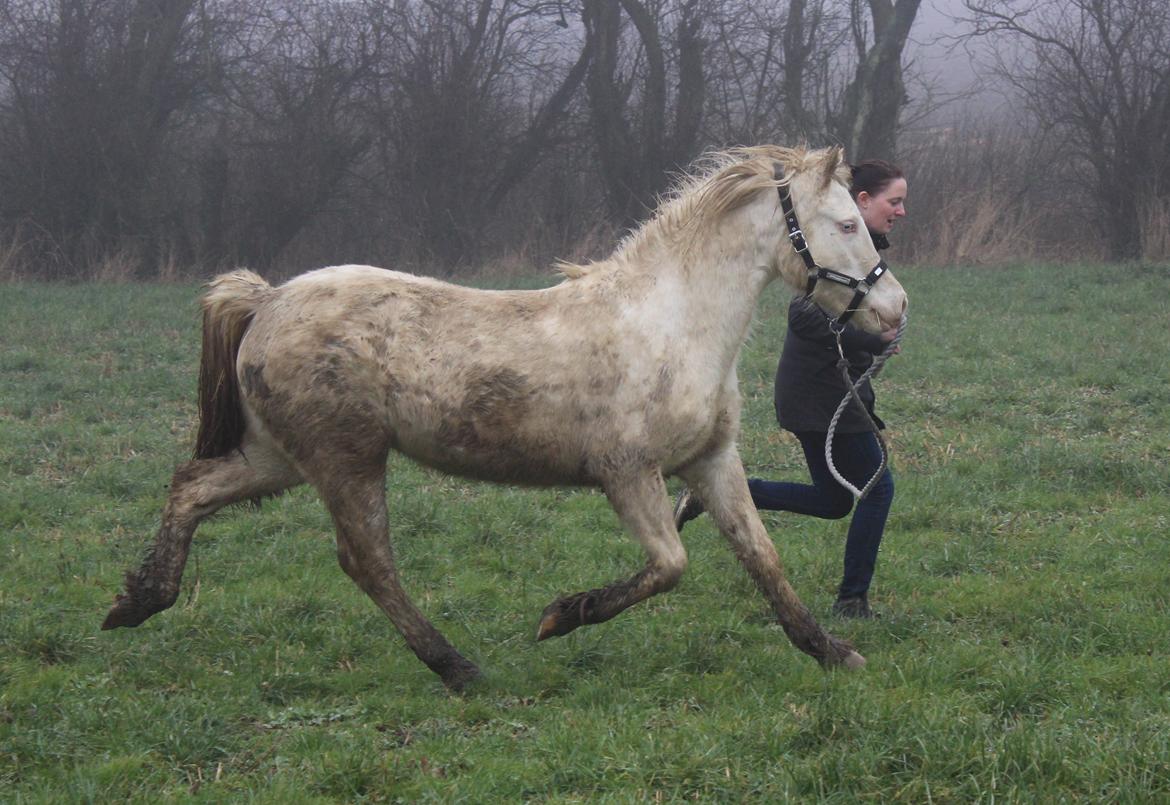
[
  {"x": 94, "y": 90},
  {"x": 867, "y": 122},
  {"x": 629, "y": 99},
  {"x": 470, "y": 94},
  {"x": 817, "y": 39},
  {"x": 430, "y": 132},
  {"x": 291, "y": 128},
  {"x": 1096, "y": 73},
  {"x": 815, "y": 70},
  {"x": 769, "y": 70}
]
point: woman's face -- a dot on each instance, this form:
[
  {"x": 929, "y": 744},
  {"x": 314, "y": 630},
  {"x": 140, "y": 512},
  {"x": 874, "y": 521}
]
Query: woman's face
[{"x": 882, "y": 209}]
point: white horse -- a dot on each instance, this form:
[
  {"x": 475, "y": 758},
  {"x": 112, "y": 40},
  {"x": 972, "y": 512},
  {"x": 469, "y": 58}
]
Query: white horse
[{"x": 618, "y": 376}]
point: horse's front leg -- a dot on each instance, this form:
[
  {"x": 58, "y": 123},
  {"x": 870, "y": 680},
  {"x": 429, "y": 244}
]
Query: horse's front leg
[
  {"x": 640, "y": 500},
  {"x": 721, "y": 484}
]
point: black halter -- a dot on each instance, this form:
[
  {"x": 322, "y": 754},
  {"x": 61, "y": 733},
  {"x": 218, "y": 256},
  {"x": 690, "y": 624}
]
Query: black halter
[{"x": 796, "y": 237}]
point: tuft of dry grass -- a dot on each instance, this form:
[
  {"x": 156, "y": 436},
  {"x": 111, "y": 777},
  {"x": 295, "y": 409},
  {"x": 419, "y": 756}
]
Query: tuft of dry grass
[
  {"x": 975, "y": 228},
  {"x": 1156, "y": 231},
  {"x": 11, "y": 261},
  {"x": 118, "y": 267}
]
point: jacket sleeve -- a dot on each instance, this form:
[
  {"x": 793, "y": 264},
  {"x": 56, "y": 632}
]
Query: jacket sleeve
[{"x": 810, "y": 322}]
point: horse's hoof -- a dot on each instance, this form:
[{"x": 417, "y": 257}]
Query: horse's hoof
[
  {"x": 564, "y": 615},
  {"x": 853, "y": 661},
  {"x": 459, "y": 675},
  {"x": 125, "y": 612},
  {"x": 550, "y": 626}
]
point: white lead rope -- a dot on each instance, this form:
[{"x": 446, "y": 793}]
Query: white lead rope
[{"x": 851, "y": 394}]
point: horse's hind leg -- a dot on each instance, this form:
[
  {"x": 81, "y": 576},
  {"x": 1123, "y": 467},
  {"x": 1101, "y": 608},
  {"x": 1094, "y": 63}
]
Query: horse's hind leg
[
  {"x": 199, "y": 488},
  {"x": 358, "y": 506},
  {"x": 720, "y": 482},
  {"x": 642, "y": 505}
]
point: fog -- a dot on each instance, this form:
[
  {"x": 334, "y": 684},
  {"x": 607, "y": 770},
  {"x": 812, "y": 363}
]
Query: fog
[
  {"x": 955, "y": 68},
  {"x": 455, "y": 138}
]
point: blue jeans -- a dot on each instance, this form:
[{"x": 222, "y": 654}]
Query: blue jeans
[{"x": 856, "y": 456}]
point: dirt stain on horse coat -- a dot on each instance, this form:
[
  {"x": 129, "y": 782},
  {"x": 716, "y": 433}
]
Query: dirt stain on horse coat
[{"x": 252, "y": 380}]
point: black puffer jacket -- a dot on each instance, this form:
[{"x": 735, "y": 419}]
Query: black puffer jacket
[{"x": 808, "y": 384}]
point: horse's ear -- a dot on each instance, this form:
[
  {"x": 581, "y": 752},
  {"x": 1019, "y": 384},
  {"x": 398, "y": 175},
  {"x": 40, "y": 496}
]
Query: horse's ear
[{"x": 833, "y": 160}]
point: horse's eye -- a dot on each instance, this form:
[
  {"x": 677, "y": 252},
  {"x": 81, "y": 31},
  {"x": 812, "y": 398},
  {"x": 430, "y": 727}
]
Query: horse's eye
[{"x": 848, "y": 227}]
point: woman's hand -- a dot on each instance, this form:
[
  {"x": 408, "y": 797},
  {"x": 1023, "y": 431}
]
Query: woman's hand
[{"x": 889, "y": 335}]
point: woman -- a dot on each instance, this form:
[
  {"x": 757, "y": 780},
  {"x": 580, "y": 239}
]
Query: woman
[{"x": 809, "y": 389}]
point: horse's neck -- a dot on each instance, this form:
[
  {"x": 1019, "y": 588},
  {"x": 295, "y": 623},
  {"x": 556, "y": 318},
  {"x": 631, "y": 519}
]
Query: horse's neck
[{"x": 723, "y": 279}]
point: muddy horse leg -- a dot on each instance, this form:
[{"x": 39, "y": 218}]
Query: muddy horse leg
[
  {"x": 358, "y": 507},
  {"x": 198, "y": 489},
  {"x": 720, "y": 483},
  {"x": 643, "y": 507}
]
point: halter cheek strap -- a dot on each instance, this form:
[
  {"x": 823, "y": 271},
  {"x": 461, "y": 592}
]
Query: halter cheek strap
[
  {"x": 860, "y": 286},
  {"x": 815, "y": 272}
]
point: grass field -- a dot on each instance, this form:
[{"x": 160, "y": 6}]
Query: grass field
[{"x": 1022, "y": 656}]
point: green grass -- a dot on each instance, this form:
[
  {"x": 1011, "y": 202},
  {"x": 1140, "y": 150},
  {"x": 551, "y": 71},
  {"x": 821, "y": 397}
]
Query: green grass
[{"x": 1022, "y": 656}]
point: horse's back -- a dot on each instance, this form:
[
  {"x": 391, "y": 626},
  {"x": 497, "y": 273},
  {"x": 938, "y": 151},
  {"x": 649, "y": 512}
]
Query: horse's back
[
  {"x": 535, "y": 387},
  {"x": 356, "y": 359}
]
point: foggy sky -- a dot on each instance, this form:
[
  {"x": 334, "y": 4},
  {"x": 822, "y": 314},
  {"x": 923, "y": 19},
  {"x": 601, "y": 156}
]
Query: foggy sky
[{"x": 950, "y": 69}]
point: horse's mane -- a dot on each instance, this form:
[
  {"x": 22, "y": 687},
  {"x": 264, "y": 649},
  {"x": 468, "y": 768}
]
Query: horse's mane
[{"x": 719, "y": 182}]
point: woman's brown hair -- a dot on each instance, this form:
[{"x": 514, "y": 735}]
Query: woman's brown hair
[{"x": 872, "y": 176}]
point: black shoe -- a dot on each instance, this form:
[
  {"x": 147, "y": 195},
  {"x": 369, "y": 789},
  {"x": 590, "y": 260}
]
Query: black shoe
[
  {"x": 856, "y": 606},
  {"x": 686, "y": 508}
]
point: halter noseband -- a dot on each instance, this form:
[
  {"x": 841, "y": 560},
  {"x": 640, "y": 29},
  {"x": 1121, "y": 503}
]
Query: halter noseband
[{"x": 796, "y": 237}]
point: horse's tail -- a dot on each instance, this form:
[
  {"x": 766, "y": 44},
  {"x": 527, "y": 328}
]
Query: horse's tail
[{"x": 228, "y": 306}]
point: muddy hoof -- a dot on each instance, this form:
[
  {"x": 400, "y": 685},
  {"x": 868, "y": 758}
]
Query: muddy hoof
[
  {"x": 564, "y": 615},
  {"x": 853, "y": 661},
  {"x": 125, "y": 612},
  {"x": 838, "y": 653},
  {"x": 458, "y": 675}
]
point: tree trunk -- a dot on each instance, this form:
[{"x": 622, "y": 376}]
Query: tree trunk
[
  {"x": 634, "y": 166},
  {"x": 524, "y": 156},
  {"x": 868, "y": 125}
]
